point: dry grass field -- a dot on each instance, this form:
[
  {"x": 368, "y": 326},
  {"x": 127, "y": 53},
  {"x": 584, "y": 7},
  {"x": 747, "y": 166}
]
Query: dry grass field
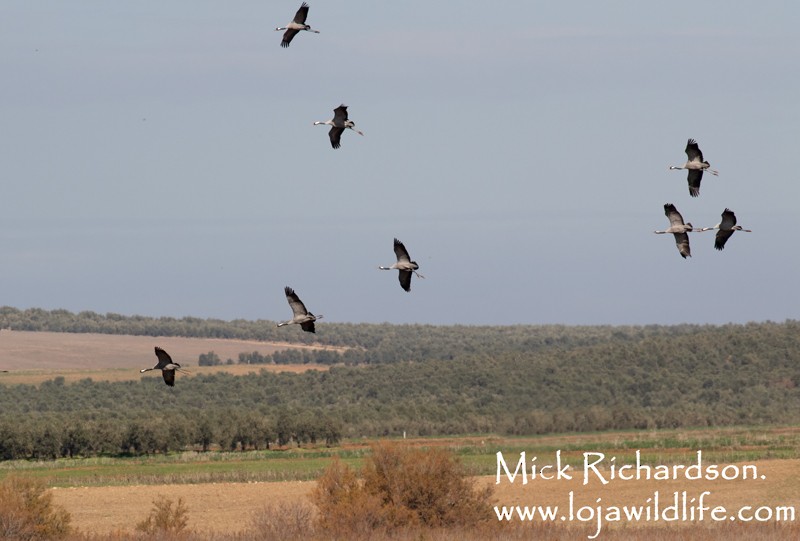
[
  {"x": 213, "y": 507},
  {"x": 33, "y": 357},
  {"x": 228, "y": 507}
]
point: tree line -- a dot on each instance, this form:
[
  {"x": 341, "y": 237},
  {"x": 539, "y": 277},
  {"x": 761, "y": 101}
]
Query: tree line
[{"x": 53, "y": 435}]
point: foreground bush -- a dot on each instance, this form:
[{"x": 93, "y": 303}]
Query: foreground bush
[
  {"x": 27, "y": 512},
  {"x": 401, "y": 487},
  {"x": 281, "y": 522},
  {"x": 166, "y": 517}
]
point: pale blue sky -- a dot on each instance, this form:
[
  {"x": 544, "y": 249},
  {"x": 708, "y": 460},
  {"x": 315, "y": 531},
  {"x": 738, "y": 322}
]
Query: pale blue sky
[{"x": 159, "y": 158}]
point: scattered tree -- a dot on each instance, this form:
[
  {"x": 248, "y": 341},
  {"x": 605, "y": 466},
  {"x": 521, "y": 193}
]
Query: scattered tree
[{"x": 208, "y": 359}]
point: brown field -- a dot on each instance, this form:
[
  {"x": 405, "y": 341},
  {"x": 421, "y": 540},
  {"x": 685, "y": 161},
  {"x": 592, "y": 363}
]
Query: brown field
[
  {"x": 228, "y": 507},
  {"x": 33, "y": 357}
]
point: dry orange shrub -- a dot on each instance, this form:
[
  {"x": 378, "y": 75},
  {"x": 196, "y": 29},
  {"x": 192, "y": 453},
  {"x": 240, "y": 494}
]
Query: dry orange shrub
[
  {"x": 166, "y": 517},
  {"x": 401, "y": 487},
  {"x": 27, "y": 511}
]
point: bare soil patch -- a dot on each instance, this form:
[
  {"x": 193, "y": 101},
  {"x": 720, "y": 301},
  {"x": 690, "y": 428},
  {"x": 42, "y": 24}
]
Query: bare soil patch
[
  {"x": 32, "y": 357},
  {"x": 213, "y": 507}
]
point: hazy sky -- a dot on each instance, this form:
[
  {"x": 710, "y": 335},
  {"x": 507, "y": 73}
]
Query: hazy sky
[{"x": 159, "y": 158}]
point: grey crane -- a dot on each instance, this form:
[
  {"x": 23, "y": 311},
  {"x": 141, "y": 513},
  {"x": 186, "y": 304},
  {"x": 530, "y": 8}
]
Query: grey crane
[
  {"x": 301, "y": 316},
  {"x": 678, "y": 229},
  {"x": 695, "y": 165},
  {"x": 297, "y": 24},
  {"x": 726, "y": 228},
  {"x": 166, "y": 365},
  {"x": 404, "y": 265},
  {"x": 339, "y": 123}
]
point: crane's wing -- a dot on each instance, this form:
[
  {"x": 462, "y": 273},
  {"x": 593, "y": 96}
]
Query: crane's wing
[
  {"x": 405, "y": 279},
  {"x": 302, "y": 13},
  {"x": 336, "y": 136},
  {"x": 340, "y": 115},
  {"x": 401, "y": 252},
  {"x": 308, "y": 326},
  {"x": 674, "y": 216},
  {"x": 694, "y": 178},
  {"x": 722, "y": 237},
  {"x": 169, "y": 377},
  {"x": 725, "y": 229},
  {"x": 287, "y": 37},
  {"x": 298, "y": 308},
  {"x": 682, "y": 241},
  {"x": 693, "y": 151},
  {"x": 163, "y": 358},
  {"x": 728, "y": 219}
]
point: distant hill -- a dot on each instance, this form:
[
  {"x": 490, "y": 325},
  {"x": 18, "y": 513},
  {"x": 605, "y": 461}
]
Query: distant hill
[{"x": 436, "y": 380}]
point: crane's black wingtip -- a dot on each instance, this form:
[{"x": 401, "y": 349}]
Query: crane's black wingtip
[{"x": 309, "y": 326}]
